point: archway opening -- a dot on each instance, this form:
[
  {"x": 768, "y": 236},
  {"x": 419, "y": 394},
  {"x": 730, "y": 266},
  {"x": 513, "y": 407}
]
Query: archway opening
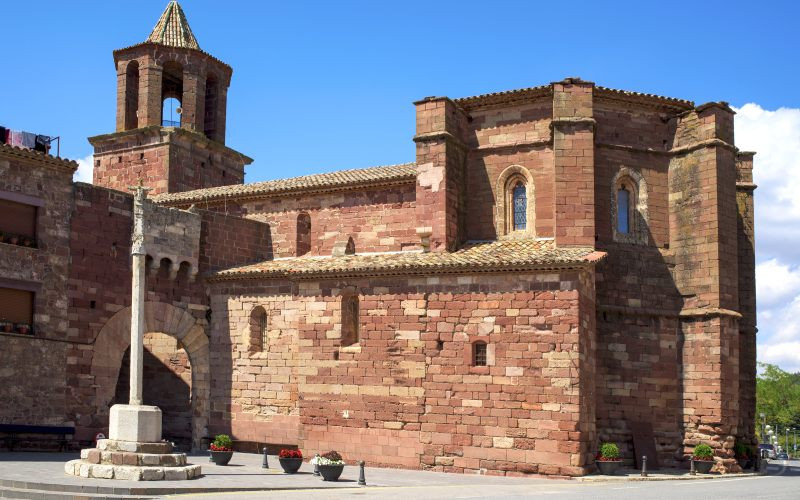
[{"x": 168, "y": 385}]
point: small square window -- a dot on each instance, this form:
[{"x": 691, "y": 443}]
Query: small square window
[{"x": 479, "y": 354}]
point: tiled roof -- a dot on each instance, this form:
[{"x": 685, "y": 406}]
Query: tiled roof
[
  {"x": 509, "y": 255},
  {"x": 673, "y": 101},
  {"x": 172, "y": 29},
  {"x": 45, "y": 159},
  {"x": 343, "y": 179}
]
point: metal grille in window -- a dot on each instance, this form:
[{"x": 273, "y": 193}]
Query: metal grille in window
[
  {"x": 520, "y": 206},
  {"x": 479, "y": 354},
  {"x": 262, "y": 327}
]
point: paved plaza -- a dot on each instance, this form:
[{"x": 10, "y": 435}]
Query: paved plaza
[{"x": 41, "y": 475}]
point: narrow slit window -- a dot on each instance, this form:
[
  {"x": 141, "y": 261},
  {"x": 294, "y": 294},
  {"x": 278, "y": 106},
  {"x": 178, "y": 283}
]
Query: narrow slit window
[
  {"x": 262, "y": 327},
  {"x": 623, "y": 207},
  {"x": 479, "y": 354},
  {"x": 520, "y": 201}
]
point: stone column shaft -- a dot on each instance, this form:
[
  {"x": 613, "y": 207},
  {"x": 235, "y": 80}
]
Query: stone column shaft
[{"x": 137, "y": 296}]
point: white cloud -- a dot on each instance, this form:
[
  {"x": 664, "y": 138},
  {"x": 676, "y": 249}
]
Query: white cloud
[
  {"x": 85, "y": 170},
  {"x": 775, "y": 137},
  {"x": 776, "y": 283}
]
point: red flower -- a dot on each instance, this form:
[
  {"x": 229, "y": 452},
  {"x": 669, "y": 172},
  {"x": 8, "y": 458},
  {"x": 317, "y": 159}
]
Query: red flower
[{"x": 286, "y": 453}]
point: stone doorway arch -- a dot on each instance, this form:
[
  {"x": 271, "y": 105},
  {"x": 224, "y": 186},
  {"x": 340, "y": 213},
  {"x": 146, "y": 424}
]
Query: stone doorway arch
[{"x": 114, "y": 338}]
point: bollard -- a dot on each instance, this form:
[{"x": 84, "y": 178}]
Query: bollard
[
  {"x": 265, "y": 461},
  {"x": 316, "y": 464},
  {"x": 361, "y": 479},
  {"x": 692, "y": 470},
  {"x": 644, "y": 465}
]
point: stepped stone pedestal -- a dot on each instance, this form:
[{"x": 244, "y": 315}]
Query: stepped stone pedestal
[{"x": 134, "y": 451}]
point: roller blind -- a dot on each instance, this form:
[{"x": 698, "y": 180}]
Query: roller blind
[
  {"x": 16, "y": 306},
  {"x": 17, "y": 218}
]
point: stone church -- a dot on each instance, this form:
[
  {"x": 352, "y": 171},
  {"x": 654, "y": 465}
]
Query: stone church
[{"x": 560, "y": 266}]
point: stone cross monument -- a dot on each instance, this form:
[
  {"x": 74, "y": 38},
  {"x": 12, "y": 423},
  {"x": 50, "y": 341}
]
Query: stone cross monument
[
  {"x": 134, "y": 450},
  {"x": 135, "y": 421}
]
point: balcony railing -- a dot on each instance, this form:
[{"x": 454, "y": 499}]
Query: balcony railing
[{"x": 170, "y": 123}]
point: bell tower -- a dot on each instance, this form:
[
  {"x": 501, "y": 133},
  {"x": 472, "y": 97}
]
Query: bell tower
[{"x": 171, "y": 110}]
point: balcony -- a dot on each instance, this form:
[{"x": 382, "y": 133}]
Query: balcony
[{"x": 170, "y": 123}]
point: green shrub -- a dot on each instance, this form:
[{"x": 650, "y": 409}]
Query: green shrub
[
  {"x": 223, "y": 441},
  {"x": 609, "y": 451},
  {"x": 703, "y": 452}
]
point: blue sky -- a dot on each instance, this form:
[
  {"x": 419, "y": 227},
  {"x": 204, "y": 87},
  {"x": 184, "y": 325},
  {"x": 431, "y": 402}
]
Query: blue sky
[{"x": 319, "y": 86}]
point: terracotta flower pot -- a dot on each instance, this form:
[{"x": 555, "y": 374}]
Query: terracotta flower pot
[
  {"x": 290, "y": 465},
  {"x": 703, "y": 466},
  {"x": 608, "y": 467},
  {"x": 23, "y": 329},
  {"x": 8, "y": 327},
  {"x": 331, "y": 472},
  {"x": 221, "y": 457}
]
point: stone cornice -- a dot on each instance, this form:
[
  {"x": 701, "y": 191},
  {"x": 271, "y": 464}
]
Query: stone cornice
[
  {"x": 154, "y": 130},
  {"x": 439, "y": 136},
  {"x": 745, "y": 186},
  {"x": 515, "y": 145},
  {"x": 708, "y": 312}
]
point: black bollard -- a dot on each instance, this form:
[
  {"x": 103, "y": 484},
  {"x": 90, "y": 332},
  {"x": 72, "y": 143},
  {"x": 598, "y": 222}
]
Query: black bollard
[
  {"x": 362, "y": 481},
  {"x": 265, "y": 461},
  {"x": 316, "y": 464},
  {"x": 692, "y": 470},
  {"x": 644, "y": 465}
]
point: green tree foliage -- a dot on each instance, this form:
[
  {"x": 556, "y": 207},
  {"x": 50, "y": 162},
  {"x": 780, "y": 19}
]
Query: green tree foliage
[{"x": 778, "y": 398}]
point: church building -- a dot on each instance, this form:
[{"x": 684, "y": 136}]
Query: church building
[{"x": 561, "y": 265}]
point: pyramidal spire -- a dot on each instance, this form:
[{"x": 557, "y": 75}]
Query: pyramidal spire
[{"x": 172, "y": 29}]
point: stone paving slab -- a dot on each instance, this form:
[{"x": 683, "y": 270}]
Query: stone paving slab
[{"x": 45, "y": 471}]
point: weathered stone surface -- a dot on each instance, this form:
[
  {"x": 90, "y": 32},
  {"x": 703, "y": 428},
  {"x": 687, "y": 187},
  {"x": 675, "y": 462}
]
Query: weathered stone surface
[{"x": 135, "y": 423}]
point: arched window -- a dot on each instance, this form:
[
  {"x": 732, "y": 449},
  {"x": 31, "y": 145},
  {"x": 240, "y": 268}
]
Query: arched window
[
  {"x": 131, "y": 95},
  {"x": 479, "y": 353},
  {"x": 520, "y": 202},
  {"x": 170, "y": 116},
  {"x": 210, "y": 118},
  {"x": 171, "y": 94},
  {"x": 350, "y": 320},
  {"x": 629, "y": 207},
  {"x": 259, "y": 330},
  {"x": 303, "y": 234},
  {"x": 515, "y": 216},
  {"x": 623, "y": 210}
]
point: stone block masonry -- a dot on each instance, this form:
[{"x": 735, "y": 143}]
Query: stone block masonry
[{"x": 406, "y": 394}]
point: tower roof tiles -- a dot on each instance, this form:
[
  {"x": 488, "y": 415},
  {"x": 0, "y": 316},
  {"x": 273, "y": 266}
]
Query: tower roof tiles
[{"x": 172, "y": 29}]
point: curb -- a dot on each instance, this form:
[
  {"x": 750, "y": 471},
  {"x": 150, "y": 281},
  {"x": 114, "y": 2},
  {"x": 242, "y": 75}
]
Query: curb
[{"x": 682, "y": 477}]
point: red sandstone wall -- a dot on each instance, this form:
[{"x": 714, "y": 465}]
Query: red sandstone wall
[
  {"x": 378, "y": 220},
  {"x": 405, "y": 394},
  {"x": 228, "y": 241}
]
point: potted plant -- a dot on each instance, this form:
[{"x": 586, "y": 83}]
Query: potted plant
[
  {"x": 607, "y": 459},
  {"x": 703, "y": 458},
  {"x": 290, "y": 460},
  {"x": 221, "y": 449},
  {"x": 27, "y": 242},
  {"x": 330, "y": 465},
  {"x": 6, "y": 326},
  {"x": 13, "y": 239},
  {"x": 742, "y": 453},
  {"x": 23, "y": 328}
]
